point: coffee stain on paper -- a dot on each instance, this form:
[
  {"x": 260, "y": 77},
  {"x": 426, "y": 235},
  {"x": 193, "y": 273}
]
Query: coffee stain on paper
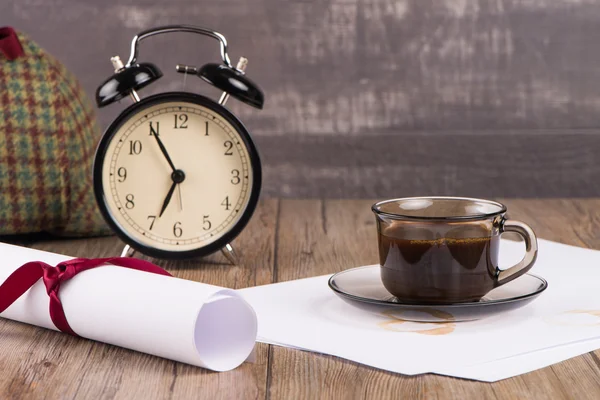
[
  {"x": 443, "y": 325},
  {"x": 575, "y": 318}
]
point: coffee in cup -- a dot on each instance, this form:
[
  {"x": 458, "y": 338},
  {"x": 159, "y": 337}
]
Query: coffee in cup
[{"x": 445, "y": 249}]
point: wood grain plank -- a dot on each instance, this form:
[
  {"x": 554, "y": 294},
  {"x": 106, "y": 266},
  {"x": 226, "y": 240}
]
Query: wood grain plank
[
  {"x": 315, "y": 238},
  {"x": 570, "y": 221},
  {"x": 38, "y": 363},
  {"x": 520, "y": 72},
  {"x": 566, "y": 221},
  {"x": 319, "y": 237},
  {"x": 574, "y": 222},
  {"x": 492, "y": 163},
  {"x": 355, "y": 66}
]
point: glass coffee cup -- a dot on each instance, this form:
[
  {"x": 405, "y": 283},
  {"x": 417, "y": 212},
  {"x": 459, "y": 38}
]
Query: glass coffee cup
[{"x": 445, "y": 249}]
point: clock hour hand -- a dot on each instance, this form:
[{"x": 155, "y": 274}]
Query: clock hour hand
[
  {"x": 177, "y": 177},
  {"x": 163, "y": 149},
  {"x": 167, "y": 199}
]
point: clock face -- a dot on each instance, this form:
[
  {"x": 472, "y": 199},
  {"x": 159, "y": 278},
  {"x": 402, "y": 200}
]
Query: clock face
[{"x": 179, "y": 175}]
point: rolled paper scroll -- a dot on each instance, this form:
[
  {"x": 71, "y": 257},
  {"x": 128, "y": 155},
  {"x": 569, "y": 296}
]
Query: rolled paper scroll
[{"x": 191, "y": 322}]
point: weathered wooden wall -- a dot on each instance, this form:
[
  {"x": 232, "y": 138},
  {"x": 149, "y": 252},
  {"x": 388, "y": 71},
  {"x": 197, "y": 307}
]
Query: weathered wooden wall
[{"x": 376, "y": 98}]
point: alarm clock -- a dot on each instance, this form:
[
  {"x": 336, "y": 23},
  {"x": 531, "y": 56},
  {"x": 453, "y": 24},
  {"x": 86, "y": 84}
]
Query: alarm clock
[{"x": 177, "y": 175}]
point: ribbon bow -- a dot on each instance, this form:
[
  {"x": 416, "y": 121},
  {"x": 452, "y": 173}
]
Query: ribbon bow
[{"x": 28, "y": 274}]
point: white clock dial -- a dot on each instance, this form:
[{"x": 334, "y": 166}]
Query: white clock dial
[{"x": 138, "y": 181}]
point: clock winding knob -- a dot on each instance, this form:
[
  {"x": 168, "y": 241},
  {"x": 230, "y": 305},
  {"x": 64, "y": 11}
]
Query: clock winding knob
[
  {"x": 118, "y": 66},
  {"x": 117, "y": 63}
]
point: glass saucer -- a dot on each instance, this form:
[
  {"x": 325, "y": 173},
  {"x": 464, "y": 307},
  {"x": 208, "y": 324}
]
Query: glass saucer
[{"x": 362, "y": 288}]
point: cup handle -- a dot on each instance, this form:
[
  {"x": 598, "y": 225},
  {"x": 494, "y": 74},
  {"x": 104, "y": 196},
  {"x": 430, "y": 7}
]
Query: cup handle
[{"x": 507, "y": 275}]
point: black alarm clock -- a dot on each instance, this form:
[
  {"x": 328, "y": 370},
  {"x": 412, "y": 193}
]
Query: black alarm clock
[{"x": 177, "y": 175}]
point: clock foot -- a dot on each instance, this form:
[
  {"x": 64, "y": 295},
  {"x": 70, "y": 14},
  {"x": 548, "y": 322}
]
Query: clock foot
[
  {"x": 127, "y": 251},
  {"x": 229, "y": 254}
]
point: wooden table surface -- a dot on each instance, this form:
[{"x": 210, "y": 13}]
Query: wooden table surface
[{"x": 286, "y": 239}]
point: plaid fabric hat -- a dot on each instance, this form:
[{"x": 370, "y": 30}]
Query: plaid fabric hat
[{"x": 48, "y": 133}]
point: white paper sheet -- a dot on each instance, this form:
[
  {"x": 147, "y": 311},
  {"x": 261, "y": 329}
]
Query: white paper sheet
[
  {"x": 306, "y": 314},
  {"x": 512, "y": 366},
  {"x": 181, "y": 320}
]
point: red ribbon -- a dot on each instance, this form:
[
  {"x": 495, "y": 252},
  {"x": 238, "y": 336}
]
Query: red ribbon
[
  {"x": 28, "y": 274},
  {"x": 9, "y": 43}
]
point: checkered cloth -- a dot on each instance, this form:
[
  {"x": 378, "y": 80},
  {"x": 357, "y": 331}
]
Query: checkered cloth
[{"x": 47, "y": 137}]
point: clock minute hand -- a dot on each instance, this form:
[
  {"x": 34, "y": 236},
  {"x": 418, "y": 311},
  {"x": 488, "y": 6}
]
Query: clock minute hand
[
  {"x": 163, "y": 149},
  {"x": 180, "y": 198},
  {"x": 167, "y": 199}
]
